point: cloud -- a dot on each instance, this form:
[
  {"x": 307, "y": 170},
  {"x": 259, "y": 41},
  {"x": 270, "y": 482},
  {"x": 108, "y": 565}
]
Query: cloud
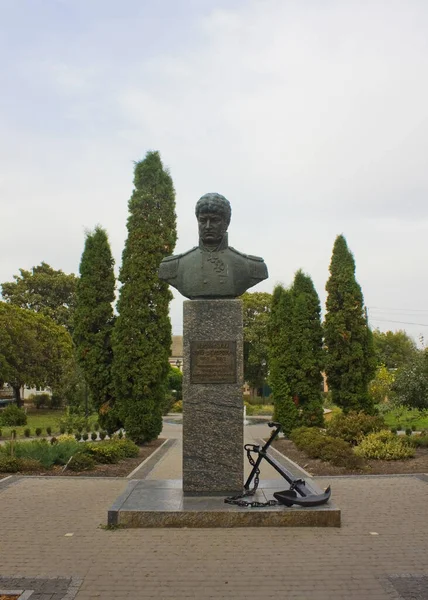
[{"x": 312, "y": 118}]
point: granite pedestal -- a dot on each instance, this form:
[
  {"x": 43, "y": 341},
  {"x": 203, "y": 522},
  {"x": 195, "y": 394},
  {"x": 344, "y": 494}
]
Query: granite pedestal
[
  {"x": 212, "y": 397},
  {"x": 161, "y": 503}
]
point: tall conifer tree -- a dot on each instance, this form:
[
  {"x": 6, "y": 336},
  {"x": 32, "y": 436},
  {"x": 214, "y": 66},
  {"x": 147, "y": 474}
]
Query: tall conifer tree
[
  {"x": 142, "y": 333},
  {"x": 285, "y": 410},
  {"x": 306, "y": 350},
  {"x": 93, "y": 323},
  {"x": 350, "y": 359}
]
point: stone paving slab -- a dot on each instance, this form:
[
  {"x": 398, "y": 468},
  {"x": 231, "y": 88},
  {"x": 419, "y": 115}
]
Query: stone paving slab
[
  {"x": 40, "y": 588},
  {"x": 384, "y": 533}
]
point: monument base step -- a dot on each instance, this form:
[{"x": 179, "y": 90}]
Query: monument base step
[{"x": 161, "y": 503}]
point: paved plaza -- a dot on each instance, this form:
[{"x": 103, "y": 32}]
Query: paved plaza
[{"x": 51, "y": 529}]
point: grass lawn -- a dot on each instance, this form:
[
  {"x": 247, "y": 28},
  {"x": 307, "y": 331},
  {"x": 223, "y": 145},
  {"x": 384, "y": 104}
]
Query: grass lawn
[
  {"x": 402, "y": 419},
  {"x": 40, "y": 418}
]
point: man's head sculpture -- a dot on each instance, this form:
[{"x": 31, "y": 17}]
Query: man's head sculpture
[{"x": 213, "y": 212}]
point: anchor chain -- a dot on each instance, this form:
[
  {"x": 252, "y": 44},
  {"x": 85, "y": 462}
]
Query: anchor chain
[{"x": 239, "y": 499}]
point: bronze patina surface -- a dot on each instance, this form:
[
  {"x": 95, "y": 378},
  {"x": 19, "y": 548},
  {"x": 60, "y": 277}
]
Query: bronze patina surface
[
  {"x": 213, "y": 269},
  {"x": 213, "y": 362}
]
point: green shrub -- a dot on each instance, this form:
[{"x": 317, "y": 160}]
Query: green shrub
[
  {"x": 120, "y": 434},
  {"x": 408, "y": 431},
  {"x": 96, "y": 426},
  {"x": 41, "y": 400},
  {"x": 29, "y": 464},
  {"x": 419, "y": 441},
  {"x": 352, "y": 427},
  {"x": 127, "y": 447},
  {"x": 38, "y": 431},
  {"x": 8, "y": 464},
  {"x": 49, "y": 430},
  {"x": 111, "y": 451},
  {"x": 103, "y": 435},
  {"x": 177, "y": 407},
  {"x": 62, "y": 429},
  {"x": 78, "y": 436},
  {"x": 85, "y": 436},
  {"x": 87, "y": 428},
  {"x": 12, "y": 416},
  {"x": 81, "y": 462},
  {"x": 250, "y": 409},
  {"x": 40, "y": 450},
  {"x": 384, "y": 445},
  {"x": 94, "y": 436},
  {"x": 316, "y": 444},
  {"x": 103, "y": 453},
  {"x": 27, "y": 432}
]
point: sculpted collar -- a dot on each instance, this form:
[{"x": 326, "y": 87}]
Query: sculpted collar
[{"x": 223, "y": 245}]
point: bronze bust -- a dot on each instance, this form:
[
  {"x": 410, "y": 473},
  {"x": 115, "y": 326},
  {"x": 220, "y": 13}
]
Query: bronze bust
[{"x": 213, "y": 269}]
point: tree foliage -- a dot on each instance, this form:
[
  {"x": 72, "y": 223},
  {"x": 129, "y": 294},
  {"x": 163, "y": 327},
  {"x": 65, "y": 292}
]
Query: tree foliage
[
  {"x": 175, "y": 382},
  {"x": 34, "y": 350},
  {"x": 142, "y": 333},
  {"x": 381, "y": 386},
  {"x": 350, "y": 359},
  {"x": 285, "y": 410},
  {"x": 256, "y": 339},
  {"x": 411, "y": 382},
  {"x": 44, "y": 290},
  {"x": 307, "y": 354},
  {"x": 93, "y": 323},
  {"x": 393, "y": 349}
]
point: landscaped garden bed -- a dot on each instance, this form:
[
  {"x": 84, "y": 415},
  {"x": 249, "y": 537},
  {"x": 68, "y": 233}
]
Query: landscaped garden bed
[
  {"x": 354, "y": 444},
  {"x": 67, "y": 457},
  {"x": 315, "y": 466}
]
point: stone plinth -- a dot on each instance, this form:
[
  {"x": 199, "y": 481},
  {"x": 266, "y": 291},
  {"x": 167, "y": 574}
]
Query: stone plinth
[
  {"x": 161, "y": 503},
  {"x": 212, "y": 397}
]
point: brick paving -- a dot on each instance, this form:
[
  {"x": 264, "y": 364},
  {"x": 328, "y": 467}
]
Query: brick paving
[{"x": 383, "y": 539}]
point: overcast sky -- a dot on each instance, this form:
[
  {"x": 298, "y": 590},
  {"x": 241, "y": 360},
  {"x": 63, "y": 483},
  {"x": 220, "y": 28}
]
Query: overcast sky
[{"x": 310, "y": 117}]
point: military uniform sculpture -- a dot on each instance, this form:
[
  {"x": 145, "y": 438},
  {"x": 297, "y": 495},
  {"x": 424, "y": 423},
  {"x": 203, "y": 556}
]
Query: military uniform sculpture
[{"x": 213, "y": 269}]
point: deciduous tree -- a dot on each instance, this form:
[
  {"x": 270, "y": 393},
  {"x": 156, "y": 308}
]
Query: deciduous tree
[
  {"x": 393, "y": 349},
  {"x": 43, "y": 290},
  {"x": 34, "y": 350},
  {"x": 256, "y": 339}
]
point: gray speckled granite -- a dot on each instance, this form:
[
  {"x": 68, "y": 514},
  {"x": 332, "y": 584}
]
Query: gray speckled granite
[
  {"x": 212, "y": 412},
  {"x": 157, "y": 503}
]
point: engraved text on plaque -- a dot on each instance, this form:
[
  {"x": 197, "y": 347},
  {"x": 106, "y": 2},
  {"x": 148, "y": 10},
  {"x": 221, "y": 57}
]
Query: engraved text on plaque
[{"x": 213, "y": 362}]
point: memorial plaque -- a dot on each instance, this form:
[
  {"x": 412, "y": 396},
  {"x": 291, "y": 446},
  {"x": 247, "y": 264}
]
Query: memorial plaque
[{"x": 213, "y": 362}]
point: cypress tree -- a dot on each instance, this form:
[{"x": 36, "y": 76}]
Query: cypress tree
[
  {"x": 285, "y": 410},
  {"x": 306, "y": 350},
  {"x": 350, "y": 359},
  {"x": 142, "y": 333},
  {"x": 93, "y": 324}
]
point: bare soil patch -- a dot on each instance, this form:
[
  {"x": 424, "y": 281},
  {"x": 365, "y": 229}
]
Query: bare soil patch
[
  {"x": 120, "y": 469},
  {"x": 314, "y": 466}
]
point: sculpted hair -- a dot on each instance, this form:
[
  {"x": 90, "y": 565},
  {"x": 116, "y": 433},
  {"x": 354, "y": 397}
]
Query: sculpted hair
[{"x": 215, "y": 203}]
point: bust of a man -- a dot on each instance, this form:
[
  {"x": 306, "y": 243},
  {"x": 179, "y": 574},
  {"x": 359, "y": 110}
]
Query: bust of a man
[{"x": 213, "y": 269}]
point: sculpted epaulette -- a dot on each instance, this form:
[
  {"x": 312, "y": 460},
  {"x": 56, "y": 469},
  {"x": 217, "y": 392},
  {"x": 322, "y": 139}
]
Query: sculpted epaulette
[
  {"x": 168, "y": 268},
  {"x": 258, "y": 268}
]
